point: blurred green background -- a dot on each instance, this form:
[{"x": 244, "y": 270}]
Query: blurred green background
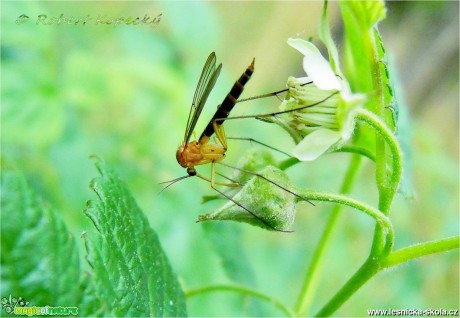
[{"x": 124, "y": 92}]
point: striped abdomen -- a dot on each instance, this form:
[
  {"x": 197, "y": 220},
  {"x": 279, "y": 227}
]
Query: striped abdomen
[{"x": 224, "y": 109}]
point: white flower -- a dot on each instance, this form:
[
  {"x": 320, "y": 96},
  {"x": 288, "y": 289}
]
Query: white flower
[{"x": 330, "y": 119}]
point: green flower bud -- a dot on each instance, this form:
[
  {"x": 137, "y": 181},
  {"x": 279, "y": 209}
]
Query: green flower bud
[{"x": 261, "y": 203}]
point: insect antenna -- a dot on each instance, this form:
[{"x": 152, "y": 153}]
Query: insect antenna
[
  {"x": 268, "y": 180},
  {"x": 171, "y": 182},
  {"x": 249, "y": 211}
]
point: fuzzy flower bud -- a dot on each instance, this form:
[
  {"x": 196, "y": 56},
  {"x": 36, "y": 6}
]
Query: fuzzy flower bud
[{"x": 262, "y": 203}]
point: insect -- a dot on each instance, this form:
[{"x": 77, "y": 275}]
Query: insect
[
  {"x": 201, "y": 151},
  {"x": 194, "y": 153}
]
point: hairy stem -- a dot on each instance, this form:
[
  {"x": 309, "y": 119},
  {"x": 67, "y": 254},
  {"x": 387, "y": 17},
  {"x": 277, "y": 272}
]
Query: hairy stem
[
  {"x": 312, "y": 276},
  {"x": 386, "y": 194},
  {"x": 283, "y": 165},
  {"x": 421, "y": 249},
  {"x": 357, "y": 150},
  {"x": 243, "y": 291},
  {"x": 364, "y": 273},
  {"x": 390, "y": 139},
  {"x": 373, "y": 265},
  {"x": 378, "y": 216}
]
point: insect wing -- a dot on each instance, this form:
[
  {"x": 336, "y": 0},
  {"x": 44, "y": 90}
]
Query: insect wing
[{"x": 206, "y": 83}]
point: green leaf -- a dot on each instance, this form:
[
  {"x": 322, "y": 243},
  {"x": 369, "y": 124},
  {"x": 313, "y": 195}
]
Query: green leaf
[
  {"x": 91, "y": 305},
  {"x": 132, "y": 275},
  {"x": 39, "y": 257}
]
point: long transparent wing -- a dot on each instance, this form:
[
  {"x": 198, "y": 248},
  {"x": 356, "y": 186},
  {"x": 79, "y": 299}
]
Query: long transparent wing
[{"x": 206, "y": 83}]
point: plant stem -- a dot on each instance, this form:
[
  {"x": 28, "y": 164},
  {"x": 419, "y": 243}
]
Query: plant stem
[
  {"x": 357, "y": 150},
  {"x": 364, "y": 273},
  {"x": 283, "y": 165},
  {"x": 377, "y": 105},
  {"x": 307, "y": 291},
  {"x": 241, "y": 290},
  {"x": 373, "y": 265},
  {"x": 380, "y": 218},
  {"x": 390, "y": 139},
  {"x": 421, "y": 249},
  {"x": 387, "y": 192}
]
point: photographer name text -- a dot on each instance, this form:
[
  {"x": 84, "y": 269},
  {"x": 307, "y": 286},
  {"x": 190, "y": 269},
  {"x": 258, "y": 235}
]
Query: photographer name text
[{"x": 101, "y": 19}]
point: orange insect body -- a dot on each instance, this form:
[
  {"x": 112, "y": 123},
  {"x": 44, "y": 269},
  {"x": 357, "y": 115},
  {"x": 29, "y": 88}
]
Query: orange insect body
[{"x": 195, "y": 154}]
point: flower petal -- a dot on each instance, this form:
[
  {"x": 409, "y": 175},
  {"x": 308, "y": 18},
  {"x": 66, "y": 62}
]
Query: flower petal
[
  {"x": 315, "y": 144},
  {"x": 315, "y": 65}
]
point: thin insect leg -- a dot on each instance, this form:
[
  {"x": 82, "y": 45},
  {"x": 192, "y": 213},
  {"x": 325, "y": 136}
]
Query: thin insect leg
[
  {"x": 218, "y": 183},
  {"x": 280, "y": 112},
  {"x": 213, "y": 173},
  {"x": 269, "y": 94},
  {"x": 268, "y": 180},
  {"x": 224, "y": 176},
  {"x": 214, "y": 197},
  {"x": 260, "y": 143},
  {"x": 250, "y": 212},
  {"x": 220, "y": 133}
]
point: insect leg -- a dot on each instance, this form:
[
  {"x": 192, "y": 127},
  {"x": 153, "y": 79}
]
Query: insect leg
[
  {"x": 274, "y": 114},
  {"x": 270, "y": 94},
  {"x": 260, "y": 143},
  {"x": 268, "y": 180},
  {"x": 214, "y": 182},
  {"x": 249, "y": 211},
  {"x": 220, "y": 133}
]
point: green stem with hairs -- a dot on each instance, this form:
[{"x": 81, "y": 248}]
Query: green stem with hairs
[
  {"x": 357, "y": 150},
  {"x": 422, "y": 249},
  {"x": 377, "y": 215},
  {"x": 386, "y": 194},
  {"x": 387, "y": 135},
  {"x": 375, "y": 264},
  {"x": 243, "y": 291},
  {"x": 313, "y": 272},
  {"x": 364, "y": 273}
]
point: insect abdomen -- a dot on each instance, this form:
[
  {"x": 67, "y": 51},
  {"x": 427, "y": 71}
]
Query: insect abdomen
[{"x": 230, "y": 100}]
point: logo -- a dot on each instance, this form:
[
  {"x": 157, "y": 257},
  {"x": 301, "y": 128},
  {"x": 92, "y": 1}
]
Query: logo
[
  {"x": 19, "y": 306},
  {"x": 9, "y": 304}
]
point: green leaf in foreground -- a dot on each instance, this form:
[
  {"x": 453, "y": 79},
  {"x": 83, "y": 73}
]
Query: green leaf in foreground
[
  {"x": 39, "y": 257},
  {"x": 132, "y": 275}
]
